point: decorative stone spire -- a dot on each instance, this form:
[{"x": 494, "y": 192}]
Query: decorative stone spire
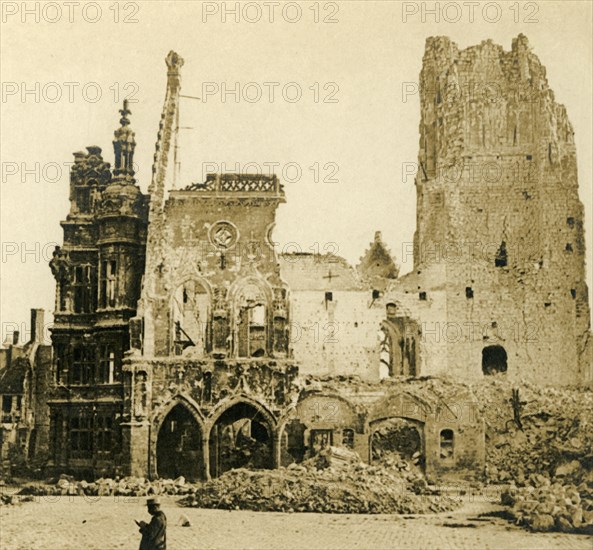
[
  {"x": 377, "y": 265},
  {"x": 164, "y": 149},
  {"x": 123, "y": 147}
]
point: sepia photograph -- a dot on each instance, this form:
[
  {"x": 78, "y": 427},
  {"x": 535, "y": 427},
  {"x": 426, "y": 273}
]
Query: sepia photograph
[{"x": 284, "y": 275}]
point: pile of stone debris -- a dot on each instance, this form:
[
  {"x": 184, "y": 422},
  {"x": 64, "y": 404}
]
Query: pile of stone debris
[
  {"x": 124, "y": 486},
  {"x": 7, "y": 500},
  {"x": 535, "y": 430},
  {"x": 334, "y": 481},
  {"x": 543, "y": 505},
  {"x": 539, "y": 442}
]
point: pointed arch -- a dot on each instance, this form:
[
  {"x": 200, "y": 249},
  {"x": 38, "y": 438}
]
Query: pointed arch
[
  {"x": 177, "y": 440},
  {"x": 241, "y": 283},
  {"x": 230, "y": 402},
  {"x": 237, "y": 423},
  {"x": 179, "y": 399},
  {"x": 251, "y": 301},
  {"x": 401, "y": 404}
]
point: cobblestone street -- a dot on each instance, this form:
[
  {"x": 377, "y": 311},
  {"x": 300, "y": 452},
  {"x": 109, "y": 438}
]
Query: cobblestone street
[{"x": 108, "y": 523}]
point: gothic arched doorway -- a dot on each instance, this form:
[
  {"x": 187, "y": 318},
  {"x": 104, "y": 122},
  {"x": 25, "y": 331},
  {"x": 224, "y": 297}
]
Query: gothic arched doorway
[
  {"x": 241, "y": 437},
  {"x": 179, "y": 445}
]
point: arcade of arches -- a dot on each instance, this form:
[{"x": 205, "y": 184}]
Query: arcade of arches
[
  {"x": 201, "y": 322},
  {"x": 245, "y": 434},
  {"x": 240, "y": 437}
]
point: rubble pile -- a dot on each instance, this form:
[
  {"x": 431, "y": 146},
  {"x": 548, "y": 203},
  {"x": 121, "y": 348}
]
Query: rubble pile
[
  {"x": 395, "y": 439},
  {"x": 9, "y": 498},
  {"x": 545, "y": 506},
  {"x": 537, "y": 430},
  {"x": 248, "y": 453},
  {"x": 335, "y": 481},
  {"x": 125, "y": 486}
]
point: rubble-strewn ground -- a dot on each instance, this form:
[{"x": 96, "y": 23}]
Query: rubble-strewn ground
[
  {"x": 354, "y": 488},
  {"x": 540, "y": 442},
  {"x": 106, "y": 523},
  {"x": 334, "y": 481},
  {"x": 555, "y": 437},
  {"x": 539, "y": 446}
]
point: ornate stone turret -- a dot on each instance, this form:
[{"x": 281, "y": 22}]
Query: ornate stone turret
[
  {"x": 89, "y": 176},
  {"x": 123, "y": 148},
  {"x": 122, "y": 231}
]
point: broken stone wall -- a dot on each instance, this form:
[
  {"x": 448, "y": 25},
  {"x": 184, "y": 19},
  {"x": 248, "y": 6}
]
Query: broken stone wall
[
  {"x": 326, "y": 418},
  {"x": 336, "y": 337},
  {"x": 447, "y": 417},
  {"x": 221, "y": 241},
  {"x": 498, "y": 209},
  {"x": 418, "y": 296}
]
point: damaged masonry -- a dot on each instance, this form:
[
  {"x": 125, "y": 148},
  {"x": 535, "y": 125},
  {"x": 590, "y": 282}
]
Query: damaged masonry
[{"x": 183, "y": 343}]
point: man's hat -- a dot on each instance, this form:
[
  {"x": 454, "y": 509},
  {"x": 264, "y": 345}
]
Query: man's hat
[{"x": 154, "y": 501}]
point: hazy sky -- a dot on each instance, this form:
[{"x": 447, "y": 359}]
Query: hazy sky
[{"x": 351, "y": 114}]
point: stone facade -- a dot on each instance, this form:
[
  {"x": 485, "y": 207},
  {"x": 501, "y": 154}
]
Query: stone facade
[
  {"x": 184, "y": 345},
  {"x": 24, "y": 382},
  {"x": 98, "y": 273},
  {"x": 499, "y": 264}
]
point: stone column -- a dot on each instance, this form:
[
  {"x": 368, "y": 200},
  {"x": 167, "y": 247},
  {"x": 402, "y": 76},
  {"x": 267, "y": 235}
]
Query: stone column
[
  {"x": 206, "y": 456},
  {"x": 362, "y": 445},
  {"x": 214, "y": 438},
  {"x": 135, "y": 426},
  {"x": 277, "y": 448},
  {"x": 135, "y": 447}
]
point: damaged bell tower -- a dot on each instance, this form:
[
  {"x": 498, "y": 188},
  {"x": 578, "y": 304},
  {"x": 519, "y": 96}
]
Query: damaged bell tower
[{"x": 499, "y": 244}]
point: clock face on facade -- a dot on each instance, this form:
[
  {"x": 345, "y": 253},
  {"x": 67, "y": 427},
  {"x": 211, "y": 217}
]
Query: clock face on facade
[{"x": 223, "y": 235}]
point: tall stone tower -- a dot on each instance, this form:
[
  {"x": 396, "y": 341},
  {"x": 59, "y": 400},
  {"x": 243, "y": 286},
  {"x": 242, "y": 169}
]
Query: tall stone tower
[
  {"x": 98, "y": 273},
  {"x": 499, "y": 220}
]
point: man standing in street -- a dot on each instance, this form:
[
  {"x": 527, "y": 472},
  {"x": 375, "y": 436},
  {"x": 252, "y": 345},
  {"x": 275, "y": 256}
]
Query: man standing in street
[{"x": 154, "y": 534}]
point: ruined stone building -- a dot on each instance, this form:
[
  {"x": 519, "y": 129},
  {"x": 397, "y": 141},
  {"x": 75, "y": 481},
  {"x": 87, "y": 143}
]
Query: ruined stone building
[
  {"x": 184, "y": 345},
  {"x": 24, "y": 380},
  {"x": 499, "y": 267}
]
